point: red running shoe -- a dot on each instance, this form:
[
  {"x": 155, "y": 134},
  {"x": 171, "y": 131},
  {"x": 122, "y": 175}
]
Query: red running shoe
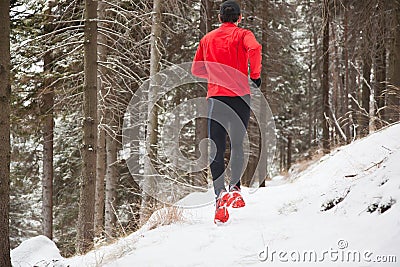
[
  {"x": 236, "y": 199},
  {"x": 221, "y": 210}
]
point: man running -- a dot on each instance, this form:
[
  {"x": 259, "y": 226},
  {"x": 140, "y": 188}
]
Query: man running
[{"x": 222, "y": 58}]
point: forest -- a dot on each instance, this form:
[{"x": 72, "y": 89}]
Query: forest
[{"x": 69, "y": 69}]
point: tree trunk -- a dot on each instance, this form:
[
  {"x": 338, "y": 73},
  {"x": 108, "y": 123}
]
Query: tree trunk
[
  {"x": 353, "y": 107},
  {"x": 325, "y": 80},
  {"x": 101, "y": 142},
  {"x": 5, "y": 149},
  {"x": 346, "y": 68},
  {"x": 282, "y": 161},
  {"x": 364, "y": 116},
  {"x": 48, "y": 134},
  {"x": 100, "y": 178},
  {"x": 380, "y": 78},
  {"x": 111, "y": 187},
  {"x": 334, "y": 56},
  {"x": 151, "y": 142},
  {"x": 365, "y": 96},
  {"x": 393, "y": 100},
  {"x": 88, "y": 183},
  {"x": 289, "y": 153},
  {"x": 201, "y": 123},
  {"x": 318, "y": 55},
  {"x": 263, "y": 159},
  {"x": 310, "y": 95},
  {"x": 337, "y": 95},
  {"x": 206, "y": 9}
]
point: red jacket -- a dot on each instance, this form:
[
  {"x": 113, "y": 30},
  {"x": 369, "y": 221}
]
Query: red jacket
[{"x": 222, "y": 58}]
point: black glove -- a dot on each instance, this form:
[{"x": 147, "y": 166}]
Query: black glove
[{"x": 257, "y": 82}]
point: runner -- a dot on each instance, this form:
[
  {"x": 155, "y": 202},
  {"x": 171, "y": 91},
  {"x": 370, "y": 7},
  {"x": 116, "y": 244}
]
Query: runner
[{"x": 222, "y": 58}]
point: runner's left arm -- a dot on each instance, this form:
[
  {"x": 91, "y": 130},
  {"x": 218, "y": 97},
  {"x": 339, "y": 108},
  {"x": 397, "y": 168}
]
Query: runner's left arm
[{"x": 254, "y": 51}]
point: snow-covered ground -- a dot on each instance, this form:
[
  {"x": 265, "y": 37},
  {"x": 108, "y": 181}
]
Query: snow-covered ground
[{"x": 343, "y": 210}]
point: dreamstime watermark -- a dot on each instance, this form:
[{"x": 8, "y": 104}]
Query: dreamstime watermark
[
  {"x": 167, "y": 177},
  {"x": 340, "y": 254}
]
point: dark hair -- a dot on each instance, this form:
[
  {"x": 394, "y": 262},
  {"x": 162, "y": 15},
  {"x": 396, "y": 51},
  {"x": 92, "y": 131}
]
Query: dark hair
[
  {"x": 229, "y": 17},
  {"x": 230, "y": 11}
]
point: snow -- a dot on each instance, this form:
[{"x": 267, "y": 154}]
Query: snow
[
  {"x": 286, "y": 223},
  {"x": 38, "y": 251}
]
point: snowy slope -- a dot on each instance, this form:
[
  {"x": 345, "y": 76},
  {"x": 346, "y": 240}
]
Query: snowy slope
[{"x": 344, "y": 210}]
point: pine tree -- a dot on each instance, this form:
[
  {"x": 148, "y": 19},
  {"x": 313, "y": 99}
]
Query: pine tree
[
  {"x": 5, "y": 149},
  {"x": 325, "y": 79},
  {"x": 152, "y": 129},
  {"x": 47, "y": 108},
  {"x": 101, "y": 141},
  {"x": 88, "y": 182},
  {"x": 393, "y": 98}
]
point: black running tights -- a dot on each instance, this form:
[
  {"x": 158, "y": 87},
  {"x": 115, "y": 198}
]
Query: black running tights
[{"x": 227, "y": 116}]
